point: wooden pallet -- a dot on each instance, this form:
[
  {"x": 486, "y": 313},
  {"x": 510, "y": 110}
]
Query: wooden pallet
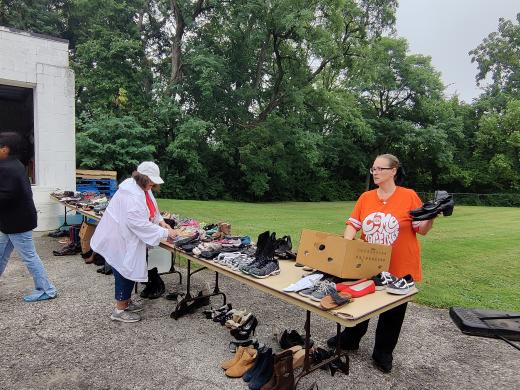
[{"x": 95, "y": 174}]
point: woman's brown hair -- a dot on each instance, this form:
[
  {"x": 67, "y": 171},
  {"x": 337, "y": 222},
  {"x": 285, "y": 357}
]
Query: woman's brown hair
[{"x": 141, "y": 180}]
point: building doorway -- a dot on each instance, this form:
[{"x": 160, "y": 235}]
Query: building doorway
[{"x": 17, "y": 114}]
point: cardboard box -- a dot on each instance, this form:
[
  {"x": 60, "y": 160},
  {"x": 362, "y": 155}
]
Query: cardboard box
[
  {"x": 85, "y": 234},
  {"x": 348, "y": 259}
]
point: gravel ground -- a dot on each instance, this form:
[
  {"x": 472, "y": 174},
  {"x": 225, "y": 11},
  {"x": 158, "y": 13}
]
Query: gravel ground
[{"x": 71, "y": 343}]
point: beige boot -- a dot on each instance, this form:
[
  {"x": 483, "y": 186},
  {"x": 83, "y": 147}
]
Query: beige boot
[
  {"x": 245, "y": 363},
  {"x": 230, "y": 363}
]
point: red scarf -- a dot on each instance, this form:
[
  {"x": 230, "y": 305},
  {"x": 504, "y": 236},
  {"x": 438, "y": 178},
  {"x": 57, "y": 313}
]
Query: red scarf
[{"x": 151, "y": 206}]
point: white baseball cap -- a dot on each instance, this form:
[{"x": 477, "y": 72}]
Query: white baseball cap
[{"x": 150, "y": 169}]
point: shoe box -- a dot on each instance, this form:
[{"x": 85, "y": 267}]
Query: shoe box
[
  {"x": 334, "y": 255},
  {"x": 86, "y": 232}
]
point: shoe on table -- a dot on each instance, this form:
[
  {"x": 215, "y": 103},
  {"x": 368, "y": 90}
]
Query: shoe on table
[
  {"x": 307, "y": 292},
  {"x": 402, "y": 286},
  {"x": 271, "y": 268},
  {"x": 383, "y": 280},
  {"x": 303, "y": 283},
  {"x": 357, "y": 290},
  {"x": 325, "y": 288},
  {"x": 124, "y": 316},
  {"x": 133, "y": 307}
]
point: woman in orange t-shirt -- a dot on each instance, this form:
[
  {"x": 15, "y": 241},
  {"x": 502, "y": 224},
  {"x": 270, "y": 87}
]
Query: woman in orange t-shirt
[{"x": 383, "y": 216}]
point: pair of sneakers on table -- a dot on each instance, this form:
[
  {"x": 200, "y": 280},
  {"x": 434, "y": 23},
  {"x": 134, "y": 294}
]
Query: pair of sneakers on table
[{"x": 392, "y": 284}]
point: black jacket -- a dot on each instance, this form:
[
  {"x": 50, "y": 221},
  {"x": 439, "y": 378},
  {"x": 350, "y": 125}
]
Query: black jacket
[{"x": 17, "y": 211}]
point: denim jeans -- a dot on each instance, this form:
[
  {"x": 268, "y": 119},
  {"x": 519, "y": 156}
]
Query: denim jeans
[
  {"x": 123, "y": 286},
  {"x": 24, "y": 245}
]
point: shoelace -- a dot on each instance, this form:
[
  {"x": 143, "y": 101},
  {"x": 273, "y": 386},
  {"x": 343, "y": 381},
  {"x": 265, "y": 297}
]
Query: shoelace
[
  {"x": 401, "y": 283},
  {"x": 325, "y": 285},
  {"x": 387, "y": 278}
]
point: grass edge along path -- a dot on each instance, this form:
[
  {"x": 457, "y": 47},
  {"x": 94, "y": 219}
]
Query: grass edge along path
[{"x": 470, "y": 259}]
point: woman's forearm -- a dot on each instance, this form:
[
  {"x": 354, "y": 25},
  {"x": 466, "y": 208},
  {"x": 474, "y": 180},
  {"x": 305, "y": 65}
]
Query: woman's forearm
[
  {"x": 425, "y": 227},
  {"x": 350, "y": 233}
]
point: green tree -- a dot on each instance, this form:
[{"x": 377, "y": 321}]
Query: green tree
[
  {"x": 498, "y": 59},
  {"x": 113, "y": 143},
  {"x": 39, "y": 16}
]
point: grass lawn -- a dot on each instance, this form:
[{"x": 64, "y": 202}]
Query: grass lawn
[{"x": 470, "y": 259}]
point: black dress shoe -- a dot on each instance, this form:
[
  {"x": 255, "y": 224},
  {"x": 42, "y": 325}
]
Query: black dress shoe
[
  {"x": 291, "y": 339},
  {"x": 443, "y": 202}
]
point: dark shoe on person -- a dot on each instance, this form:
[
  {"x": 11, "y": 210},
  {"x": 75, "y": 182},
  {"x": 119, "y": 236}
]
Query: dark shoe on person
[
  {"x": 98, "y": 259},
  {"x": 385, "y": 367},
  {"x": 345, "y": 344}
]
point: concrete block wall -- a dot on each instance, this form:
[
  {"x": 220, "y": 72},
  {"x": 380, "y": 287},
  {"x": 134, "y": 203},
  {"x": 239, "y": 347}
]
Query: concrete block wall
[{"x": 42, "y": 63}]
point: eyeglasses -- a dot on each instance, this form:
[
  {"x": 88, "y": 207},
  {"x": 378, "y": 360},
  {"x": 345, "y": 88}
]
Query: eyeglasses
[{"x": 377, "y": 169}]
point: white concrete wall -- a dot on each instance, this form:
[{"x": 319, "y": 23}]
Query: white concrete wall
[{"x": 42, "y": 63}]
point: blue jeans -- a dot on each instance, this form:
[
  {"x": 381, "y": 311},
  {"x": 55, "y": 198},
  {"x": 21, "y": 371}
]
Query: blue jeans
[
  {"x": 123, "y": 286},
  {"x": 24, "y": 245}
]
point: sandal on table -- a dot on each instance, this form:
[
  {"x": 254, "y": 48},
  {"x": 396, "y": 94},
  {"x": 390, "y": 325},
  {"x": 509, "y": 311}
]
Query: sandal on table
[{"x": 334, "y": 300}]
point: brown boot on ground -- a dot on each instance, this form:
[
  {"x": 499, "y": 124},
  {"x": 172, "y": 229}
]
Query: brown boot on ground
[
  {"x": 246, "y": 362},
  {"x": 283, "y": 376}
]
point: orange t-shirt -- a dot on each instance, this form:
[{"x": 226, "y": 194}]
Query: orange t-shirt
[{"x": 389, "y": 223}]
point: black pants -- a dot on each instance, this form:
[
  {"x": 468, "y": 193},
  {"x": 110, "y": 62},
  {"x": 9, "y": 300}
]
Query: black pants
[{"x": 387, "y": 334}]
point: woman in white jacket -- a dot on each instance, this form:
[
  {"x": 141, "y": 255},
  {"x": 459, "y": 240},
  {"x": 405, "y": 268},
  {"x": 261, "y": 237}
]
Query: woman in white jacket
[{"x": 130, "y": 223}]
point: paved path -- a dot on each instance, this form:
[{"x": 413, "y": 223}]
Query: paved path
[{"x": 70, "y": 342}]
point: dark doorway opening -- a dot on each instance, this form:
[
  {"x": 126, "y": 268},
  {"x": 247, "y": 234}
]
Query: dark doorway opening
[{"x": 17, "y": 114}]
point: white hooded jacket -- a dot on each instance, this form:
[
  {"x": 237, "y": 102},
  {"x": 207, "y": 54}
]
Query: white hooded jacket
[{"x": 125, "y": 230}]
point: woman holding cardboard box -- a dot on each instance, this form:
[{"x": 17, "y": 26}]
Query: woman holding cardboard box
[{"x": 383, "y": 216}]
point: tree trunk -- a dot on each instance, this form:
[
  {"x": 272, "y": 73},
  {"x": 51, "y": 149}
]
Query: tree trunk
[
  {"x": 367, "y": 181},
  {"x": 176, "y": 63}
]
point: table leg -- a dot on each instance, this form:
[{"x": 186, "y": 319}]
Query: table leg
[
  {"x": 337, "y": 359},
  {"x": 172, "y": 269}
]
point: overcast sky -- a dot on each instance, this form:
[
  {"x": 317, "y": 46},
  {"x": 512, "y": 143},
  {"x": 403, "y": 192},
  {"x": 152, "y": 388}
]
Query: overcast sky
[{"x": 447, "y": 30}]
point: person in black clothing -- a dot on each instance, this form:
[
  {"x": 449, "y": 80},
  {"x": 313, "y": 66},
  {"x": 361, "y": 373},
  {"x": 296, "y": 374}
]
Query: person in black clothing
[{"x": 18, "y": 218}]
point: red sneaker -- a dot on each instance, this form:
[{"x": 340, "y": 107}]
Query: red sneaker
[{"x": 359, "y": 289}]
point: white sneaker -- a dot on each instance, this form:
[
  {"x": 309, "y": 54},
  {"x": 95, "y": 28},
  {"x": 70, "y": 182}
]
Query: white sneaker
[{"x": 303, "y": 283}]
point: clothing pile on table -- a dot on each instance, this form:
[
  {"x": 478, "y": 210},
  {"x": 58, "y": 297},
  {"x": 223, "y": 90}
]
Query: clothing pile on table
[{"x": 87, "y": 201}]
